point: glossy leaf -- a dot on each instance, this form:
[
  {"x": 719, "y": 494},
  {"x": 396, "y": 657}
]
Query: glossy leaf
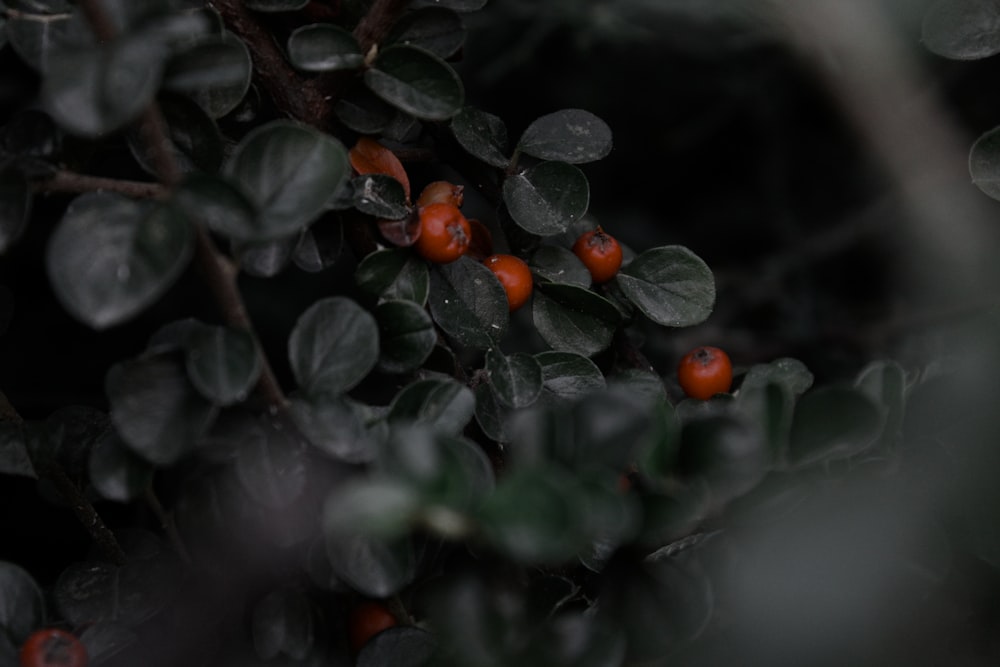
[
  {"x": 406, "y": 335},
  {"x": 490, "y": 415},
  {"x": 15, "y": 207},
  {"x": 215, "y": 72},
  {"x": 832, "y": 423},
  {"x": 417, "y": 82},
  {"x": 221, "y": 206},
  {"x": 468, "y": 303},
  {"x": 157, "y": 411},
  {"x": 36, "y": 36},
  {"x": 319, "y": 246},
  {"x": 517, "y": 378},
  {"x": 791, "y": 373},
  {"x": 984, "y": 163},
  {"x": 367, "y": 156},
  {"x": 436, "y": 29},
  {"x": 333, "y": 346},
  {"x": 567, "y": 376},
  {"x": 445, "y": 405},
  {"x": 195, "y": 139},
  {"x": 394, "y": 274},
  {"x": 333, "y": 426},
  {"x": 110, "y": 257},
  {"x": 962, "y": 29},
  {"x": 571, "y": 135},
  {"x": 559, "y": 265},
  {"x": 671, "y": 286},
  {"x": 482, "y": 134},
  {"x": 264, "y": 259},
  {"x": 223, "y": 363},
  {"x": 547, "y": 198},
  {"x": 379, "y": 506},
  {"x": 725, "y": 453},
  {"x": 363, "y": 111},
  {"x": 400, "y": 646},
  {"x": 885, "y": 383},
  {"x": 22, "y": 607},
  {"x": 117, "y": 472},
  {"x": 282, "y": 623},
  {"x": 380, "y": 196},
  {"x": 288, "y": 171},
  {"x": 324, "y": 47},
  {"x": 573, "y": 318},
  {"x": 375, "y": 567}
]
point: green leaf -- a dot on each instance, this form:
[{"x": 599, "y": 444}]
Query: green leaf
[
  {"x": 380, "y": 195},
  {"x": 547, "y": 198},
  {"x": 117, "y": 472},
  {"x": 406, "y": 334},
  {"x": 363, "y": 111},
  {"x": 436, "y": 29},
  {"x": 288, "y": 171},
  {"x": 196, "y": 142},
  {"x": 482, "y": 134},
  {"x": 372, "y": 566},
  {"x": 14, "y": 457},
  {"x": 517, "y": 379},
  {"x": 559, "y": 265},
  {"x": 769, "y": 404},
  {"x": 468, "y": 303},
  {"x": 490, "y": 415},
  {"x": 319, "y": 246},
  {"x": 282, "y": 623},
  {"x": 157, "y": 411},
  {"x": 790, "y": 373},
  {"x": 444, "y": 405},
  {"x": 399, "y": 646},
  {"x": 271, "y": 467},
  {"x": 334, "y": 426},
  {"x": 885, "y": 383},
  {"x": 984, "y": 163},
  {"x": 832, "y": 423},
  {"x": 671, "y": 286},
  {"x": 275, "y": 5},
  {"x": 724, "y": 452},
  {"x": 333, "y": 346},
  {"x": 264, "y": 259},
  {"x": 22, "y": 607},
  {"x": 324, "y": 47},
  {"x": 36, "y": 35},
  {"x": 221, "y": 206},
  {"x": 574, "y": 319},
  {"x": 571, "y": 135},
  {"x": 568, "y": 376},
  {"x": 106, "y": 639},
  {"x": 417, "y": 82},
  {"x": 110, "y": 257},
  {"x": 223, "y": 363},
  {"x": 215, "y": 72},
  {"x": 394, "y": 274},
  {"x": 15, "y": 207},
  {"x": 962, "y": 29},
  {"x": 96, "y": 90}
]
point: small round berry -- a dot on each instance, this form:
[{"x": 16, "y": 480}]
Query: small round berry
[
  {"x": 366, "y": 620},
  {"x": 441, "y": 192},
  {"x": 600, "y": 253},
  {"x": 514, "y": 275},
  {"x": 704, "y": 372},
  {"x": 444, "y": 233},
  {"x": 52, "y": 647}
]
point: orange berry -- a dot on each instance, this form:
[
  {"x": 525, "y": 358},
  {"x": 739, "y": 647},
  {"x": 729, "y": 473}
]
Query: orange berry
[
  {"x": 441, "y": 192},
  {"x": 600, "y": 253},
  {"x": 52, "y": 647},
  {"x": 704, "y": 372},
  {"x": 514, "y": 275},
  {"x": 366, "y": 620},
  {"x": 444, "y": 233}
]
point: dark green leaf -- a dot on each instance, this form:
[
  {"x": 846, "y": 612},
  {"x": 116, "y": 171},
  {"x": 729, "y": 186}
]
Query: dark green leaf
[
  {"x": 832, "y": 423},
  {"x": 984, "y": 163},
  {"x": 374, "y": 567},
  {"x": 569, "y": 376},
  {"x": 106, "y": 639},
  {"x": 885, "y": 383},
  {"x": 158, "y": 413},
  {"x": 490, "y": 415},
  {"x": 14, "y": 458},
  {"x": 174, "y": 335},
  {"x": 559, "y": 265},
  {"x": 282, "y": 623},
  {"x": 111, "y": 257},
  {"x": 574, "y": 319},
  {"x": 445, "y": 405},
  {"x": 468, "y": 303},
  {"x": 215, "y": 72},
  {"x": 571, "y": 135},
  {"x": 724, "y": 452},
  {"x": 195, "y": 139},
  {"x": 363, "y": 111},
  {"x": 15, "y": 207},
  {"x": 406, "y": 334},
  {"x": 400, "y": 646},
  {"x": 334, "y": 426},
  {"x": 379, "y": 507},
  {"x": 271, "y": 467},
  {"x": 435, "y": 29},
  {"x": 319, "y": 246},
  {"x": 333, "y": 346},
  {"x": 22, "y": 607},
  {"x": 223, "y": 363},
  {"x": 36, "y": 35},
  {"x": 962, "y": 29},
  {"x": 482, "y": 134},
  {"x": 547, "y": 198},
  {"x": 324, "y": 47},
  {"x": 380, "y": 195},
  {"x": 790, "y": 373},
  {"x": 264, "y": 259},
  {"x": 275, "y": 5},
  {"x": 417, "y": 82},
  {"x": 116, "y": 471},
  {"x": 394, "y": 274},
  {"x": 769, "y": 405},
  {"x": 671, "y": 285},
  {"x": 517, "y": 379},
  {"x": 288, "y": 171}
]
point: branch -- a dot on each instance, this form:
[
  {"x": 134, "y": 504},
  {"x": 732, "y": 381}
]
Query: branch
[
  {"x": 375, "y": 25},
  {"x": 70, "y": 181}
]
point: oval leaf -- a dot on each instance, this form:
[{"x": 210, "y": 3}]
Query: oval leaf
[
  {"x": 417, "y": 82},
  {"x": 215, "y": 72},
  {"x": 984, "y": 163},
  {"x": 394, "y": 274},
  {"x": 110, "y": 257},
  {"x": 223, "y": 363},
  {"x": 482, "y": 134},
  {"x": 116, "y": 471},
  {"x": 671, "y": 286},
  {"x": 406, "y": 335},
  {"x": 573, "y": 318},
  {"x": 517, "y": 378},
  {"x": 790, "y": 373},
  {"x": 962, "y": 29},
  {"x": 375, "y": 567},
  {"x": 35, "y": 37},
  {"x": 22, "y": 607},
  {"x": 334, "y": 426},
  {"x": 436, "y": 29},
  {"x": 282, "y": 623},
  {"x": 271, "y": 467},
  {"x": 445, "y": 405},
  {"x": 333, "y": 346},
  {"x": 195, "y": 139},
  {"x": 469, "y": 303},
  {"x": 569, "y": 376},
  {"x": 559, "y": 265},
  {"x": 547, "y": 198},
  {"x": 380, "y": 196},
  {"x": 324, "y": 47},
  {"x": 832, "y": 423},
  {"x": 367, "y": 156},
  {"x": 571, "y": 135}
]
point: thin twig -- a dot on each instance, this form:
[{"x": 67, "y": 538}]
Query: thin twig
[
  {"x": 168, "y": 524},
  {"x": 71, "y": 181}
]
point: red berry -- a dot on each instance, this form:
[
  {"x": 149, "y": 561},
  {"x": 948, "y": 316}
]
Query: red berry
[
  {"x": 441, "y": 192},
  {"x": 367, "y": 620},
  {"x": 444, "y": 233},
  {"x": 600, "y": 253},
  {"x": 514, "y": 275},
  {"x": 52, "y": 647},
  {"x": 704, "y": 372}
]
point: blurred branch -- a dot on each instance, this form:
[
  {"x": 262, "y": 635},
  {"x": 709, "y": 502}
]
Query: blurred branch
[{"x": 70, "y": 181}]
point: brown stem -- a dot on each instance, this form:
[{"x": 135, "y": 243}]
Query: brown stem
[
  {"x": 70, "y": 181},
  {"x": 375, "y": 25}
]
